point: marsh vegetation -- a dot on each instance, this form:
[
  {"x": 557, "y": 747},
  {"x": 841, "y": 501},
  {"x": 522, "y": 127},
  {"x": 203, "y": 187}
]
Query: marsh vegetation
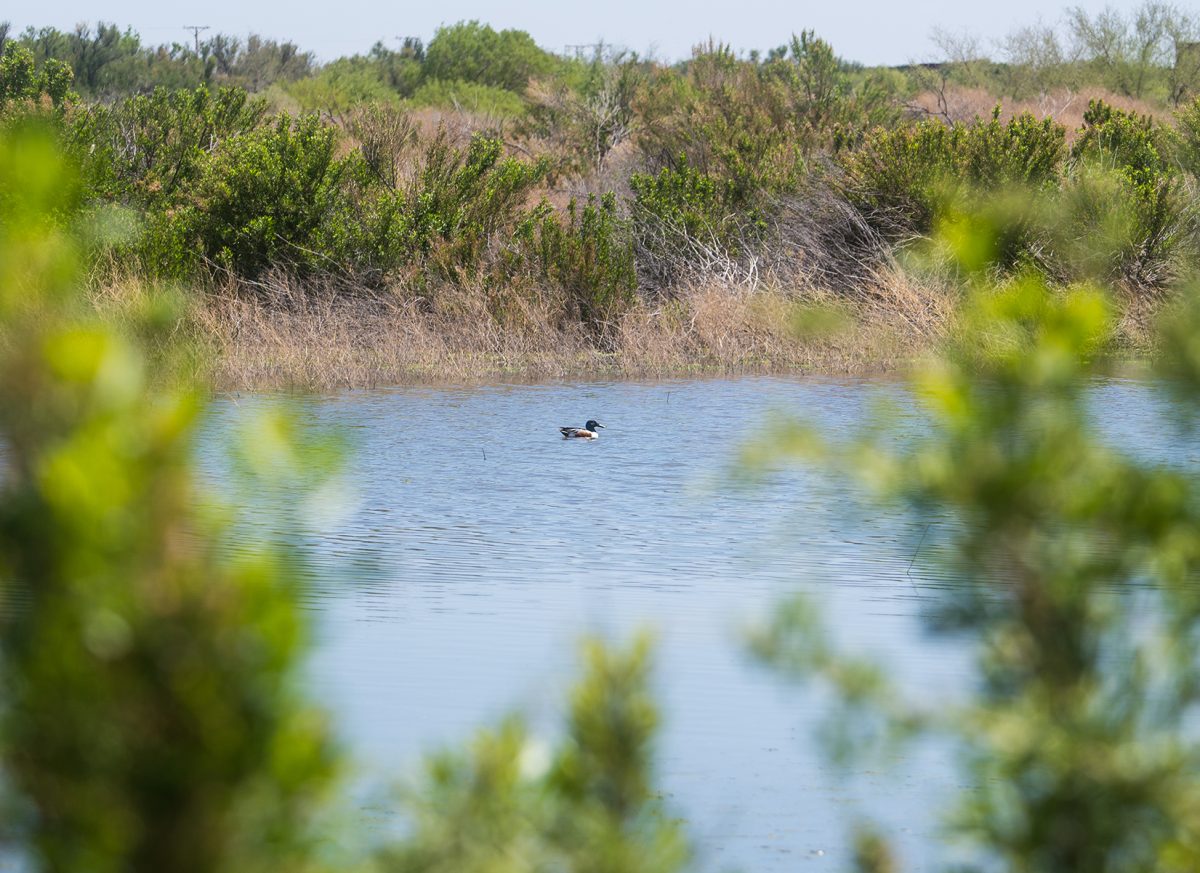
[{"x": 480, "y": 206}]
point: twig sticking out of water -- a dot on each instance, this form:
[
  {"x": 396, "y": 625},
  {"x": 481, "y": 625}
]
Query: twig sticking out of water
[{"x": 916, "y": 552}]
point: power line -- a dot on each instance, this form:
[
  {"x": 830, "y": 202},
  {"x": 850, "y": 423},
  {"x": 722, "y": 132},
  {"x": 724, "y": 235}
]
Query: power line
[{"x": 195, "y": 29}]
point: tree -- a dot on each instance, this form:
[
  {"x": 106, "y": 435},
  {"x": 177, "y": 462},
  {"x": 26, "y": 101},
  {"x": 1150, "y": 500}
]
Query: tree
[
  {"x": 1132, "y": 52},
  {"x": 1035, "y": 58},
  {"x": 474, "y": 52},
  {"x": 22, "y": 82}
]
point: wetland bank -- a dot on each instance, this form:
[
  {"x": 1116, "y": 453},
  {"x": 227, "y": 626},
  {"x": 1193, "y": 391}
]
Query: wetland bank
[{"x": 480, "y": 208}]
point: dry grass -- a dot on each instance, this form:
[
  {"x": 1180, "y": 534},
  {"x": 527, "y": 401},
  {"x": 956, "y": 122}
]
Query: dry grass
[
  {"x": 319, "y": 339},
  {"x": 1063, "y": 105}
]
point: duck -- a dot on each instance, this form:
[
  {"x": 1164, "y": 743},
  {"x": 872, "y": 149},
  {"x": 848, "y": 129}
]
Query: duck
[{"x": 587, "y": 432}]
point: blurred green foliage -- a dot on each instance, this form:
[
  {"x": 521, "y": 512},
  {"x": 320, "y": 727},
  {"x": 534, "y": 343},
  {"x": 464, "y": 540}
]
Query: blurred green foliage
[
  {"x": 512, "y": 803},
  {"x": 150, "y": 715},
  {"x": 1078, "y": 565}
]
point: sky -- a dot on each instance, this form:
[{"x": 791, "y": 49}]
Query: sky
[{"x": 869, "y": 31}]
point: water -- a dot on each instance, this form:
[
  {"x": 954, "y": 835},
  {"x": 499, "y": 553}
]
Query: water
[{"x": 481, "y": 547}]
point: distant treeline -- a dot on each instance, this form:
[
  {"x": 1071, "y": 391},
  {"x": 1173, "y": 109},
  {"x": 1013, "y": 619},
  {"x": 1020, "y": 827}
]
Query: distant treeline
[
  {"x": 592, "y": 183},
  {"x": 1152, "y": 53}
]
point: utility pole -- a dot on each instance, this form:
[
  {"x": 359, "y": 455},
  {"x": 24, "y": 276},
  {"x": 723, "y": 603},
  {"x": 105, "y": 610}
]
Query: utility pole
[{"x": 195, "y": 29}]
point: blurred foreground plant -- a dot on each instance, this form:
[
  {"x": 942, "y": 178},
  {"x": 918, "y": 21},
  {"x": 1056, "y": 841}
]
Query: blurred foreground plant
[
  {"x": 513, "y": 804},
  {"x": 1077, "y": 567},
  {"x": 150, "y": 719}
]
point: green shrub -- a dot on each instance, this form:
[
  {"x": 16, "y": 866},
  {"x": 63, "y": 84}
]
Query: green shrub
[
  {"x": 588, "y": 803},
  {"x": 1187, "y": 144},
  {"x": 731, "y": 120},
  {"x": 472, "y": 97},
  {"x": 685, "y": 219},
  {"x": 1074, "y": 556},
  {"x": 149, "y": 672},
  {"x": 402, "y": 70},
  {"x": 341, "y": 86},
  {"x": 474, "y": 52},
  {"x": 683, "y": 198},
  {"x": 461, "y": 200},
  {"x": 450, "y": 210},
  {"x": 150, "y": 150},
  {"x": 585, "y": 113},
  {"x": 1115, "y": 230},
  {"x": 1142, "y": 211},
  {"x": 900, "y": 177},
  {"x": 22, "y": 82},
  {"x": 589, "y": 256},
  {"x": 1136, "y": 146},
  {"x": 264, "y": 195},
  {"x": 755, "y": 124}
]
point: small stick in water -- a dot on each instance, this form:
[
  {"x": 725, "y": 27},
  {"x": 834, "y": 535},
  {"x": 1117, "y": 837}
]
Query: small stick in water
[{"x": 908, "y": 573}]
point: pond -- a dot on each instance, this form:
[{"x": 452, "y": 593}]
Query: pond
[{"x": 480, "y": 547}]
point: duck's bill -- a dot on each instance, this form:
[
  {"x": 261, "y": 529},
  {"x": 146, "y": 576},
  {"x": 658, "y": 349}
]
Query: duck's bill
[{"x": 598, "y": 424}]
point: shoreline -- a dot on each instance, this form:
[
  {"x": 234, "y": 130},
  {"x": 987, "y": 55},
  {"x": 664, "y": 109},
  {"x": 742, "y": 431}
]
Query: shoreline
[
  {"x": 304, "y": 339},
  {"x": 310, "y": 355},
  {"x": 319, "y": 343}
]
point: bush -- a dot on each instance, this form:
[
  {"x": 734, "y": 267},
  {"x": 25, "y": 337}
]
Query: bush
[
  {"x": 22, "y": 82},
  {"x": 402, "y": 70},
  {"x": 1134, "y": 145},
  {"x": 589, "y": 803},
  {"x": 590, "y": 258},
  {"x": 1187, "y": 145},
  {"x": 149, "y": 672},
  {"x": 264, "y": 195},
  {"x": 900, "y": 177},
  {"x": 150, "y": 150},
  {"x": 342, "y": 86},
  {"x": 755, "y": 124},
  {"x": 1075, "y": 563},
  {"x": 1142, "y": 211},
  {"x": 460, "y": 95},
  {"x": 731, "y": 120},
  {"x": 583, "y": 115},
  {"x": 687, "y": 221},
  {"x": 474, "y": 52},
  {"x": 402, "y": 201},
  {"x": 461, "y": 200}
]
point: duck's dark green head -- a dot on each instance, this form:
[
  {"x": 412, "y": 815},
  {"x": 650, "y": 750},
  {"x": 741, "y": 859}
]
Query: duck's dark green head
[{"x": 592, "y": 424}]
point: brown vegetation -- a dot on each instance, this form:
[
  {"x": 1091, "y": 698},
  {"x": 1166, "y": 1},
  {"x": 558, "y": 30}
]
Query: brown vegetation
[
  {"x": 1066, "y": 106},
  {"x": 325, "y": 339}
]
